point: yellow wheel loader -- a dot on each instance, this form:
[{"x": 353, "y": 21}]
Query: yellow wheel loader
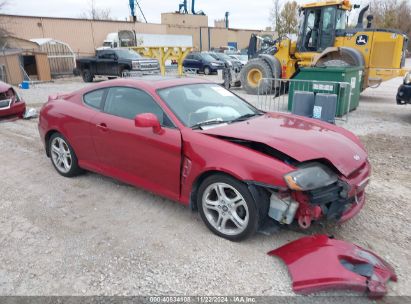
[{"x": 325, "y": 40}]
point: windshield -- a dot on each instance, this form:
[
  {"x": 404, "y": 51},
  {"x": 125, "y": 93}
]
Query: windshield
[
  {"x": 223, "y": 56},
  {"x": 341, "y": 20},
  {"x": 207, "y": 57},
  {"x": 201, "y": 103},
  {"x": 126, "y": 54},
  {"x": 242, "y": 57}
]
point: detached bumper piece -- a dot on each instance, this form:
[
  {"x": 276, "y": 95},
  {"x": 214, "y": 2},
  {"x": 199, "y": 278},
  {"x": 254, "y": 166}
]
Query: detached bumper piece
[
  {"x": 404, "y": 94},
  {"x": 11, "y": 108},
  {"x": 319, "y": 263}
]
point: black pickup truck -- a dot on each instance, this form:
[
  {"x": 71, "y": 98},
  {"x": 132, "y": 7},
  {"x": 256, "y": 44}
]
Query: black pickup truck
[{"x": 115, "y": 63}]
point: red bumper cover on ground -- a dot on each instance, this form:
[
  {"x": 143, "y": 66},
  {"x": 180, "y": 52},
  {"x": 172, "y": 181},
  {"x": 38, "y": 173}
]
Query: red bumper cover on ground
[{"x": 319, "y": 263}]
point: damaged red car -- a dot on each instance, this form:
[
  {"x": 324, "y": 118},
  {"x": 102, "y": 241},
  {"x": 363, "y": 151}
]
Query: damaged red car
[
  {"x": 10, "y": 102},
  {"x": 197, "y": 143}
]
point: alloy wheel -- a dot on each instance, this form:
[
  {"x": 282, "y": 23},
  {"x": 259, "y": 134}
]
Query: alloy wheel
[
  {"x": 225, "y": 209},
  {"x": 61, "y": 155}
]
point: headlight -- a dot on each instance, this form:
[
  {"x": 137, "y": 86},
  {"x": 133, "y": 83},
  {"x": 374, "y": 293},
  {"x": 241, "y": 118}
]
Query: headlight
[
  {"x": 309, "y": 177},
  {"x": 407, "y": 79},
  {"x": 136, "y": 65}
]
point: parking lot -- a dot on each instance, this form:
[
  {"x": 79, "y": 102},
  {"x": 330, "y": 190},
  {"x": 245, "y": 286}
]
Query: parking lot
[{"x": 92, "y": 235}]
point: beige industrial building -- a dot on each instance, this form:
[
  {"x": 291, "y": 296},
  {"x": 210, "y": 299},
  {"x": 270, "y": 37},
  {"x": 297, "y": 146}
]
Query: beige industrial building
[{"x": 84, "y": 36}]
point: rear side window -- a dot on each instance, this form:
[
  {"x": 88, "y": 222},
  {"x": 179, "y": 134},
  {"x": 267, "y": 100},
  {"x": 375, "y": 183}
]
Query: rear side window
[
  {"x": 94, "y": 99},
  {"x": 127, "y": 103}
]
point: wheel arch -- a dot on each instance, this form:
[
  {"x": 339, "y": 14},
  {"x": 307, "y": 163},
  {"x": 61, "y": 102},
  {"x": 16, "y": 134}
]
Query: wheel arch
[
  {"x": 256, "y": 189},
  {"x": 85, "y": 66},
  {"x": 200, "y": 178},
  {"x": 47, "y": 139},
  {"x": 347, "y": 53}
]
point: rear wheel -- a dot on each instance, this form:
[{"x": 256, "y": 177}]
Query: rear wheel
[
  {"x": 62, "y": 156},
  {"x": 87, "y": 76},
  {"x": 252, "y": 76},
  {"x": 227, "y": 207}
]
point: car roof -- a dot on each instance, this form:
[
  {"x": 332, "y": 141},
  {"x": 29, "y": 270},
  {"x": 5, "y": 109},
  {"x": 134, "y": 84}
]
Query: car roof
[
  {"x": 153, "y": 82},
  {"x": 4, "y": 86}
]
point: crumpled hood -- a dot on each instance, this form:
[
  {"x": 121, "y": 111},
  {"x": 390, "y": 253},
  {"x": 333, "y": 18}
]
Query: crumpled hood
[{"x": 300, "y": 138}]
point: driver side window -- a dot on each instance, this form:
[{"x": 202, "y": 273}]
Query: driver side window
[{"x": 128, "y": 102}]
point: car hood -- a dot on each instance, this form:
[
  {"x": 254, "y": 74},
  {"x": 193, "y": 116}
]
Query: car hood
[{"x": 300, "y": 138}]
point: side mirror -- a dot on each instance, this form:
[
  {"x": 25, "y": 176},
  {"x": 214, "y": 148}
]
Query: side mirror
[{"x": 148, "y": 120}]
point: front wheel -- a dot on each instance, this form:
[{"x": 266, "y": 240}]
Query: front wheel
[
  {"x": 207, "y": 70},
  {"x": 227, "y": 207},
  {"x": 255, "y": 77},
  {"x": 125, "y": 73}
]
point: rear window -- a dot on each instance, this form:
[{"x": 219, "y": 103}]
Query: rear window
[{"x": 94, "y": 99}]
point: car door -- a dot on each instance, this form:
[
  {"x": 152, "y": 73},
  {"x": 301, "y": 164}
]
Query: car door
[
  {"x": 188, "y": 62},
  {"x": 198, "y": 62},
  {"x": 138, "y": 155},
  {"x": 104, "y": 62},
  {"x": 112, "y": 65}
]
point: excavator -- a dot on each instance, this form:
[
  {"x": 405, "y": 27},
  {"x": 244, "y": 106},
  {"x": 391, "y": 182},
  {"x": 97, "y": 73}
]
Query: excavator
[{"x": 324, "y": 39}]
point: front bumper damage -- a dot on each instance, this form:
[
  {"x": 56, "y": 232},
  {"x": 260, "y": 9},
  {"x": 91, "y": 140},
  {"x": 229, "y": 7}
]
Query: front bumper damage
[
  {"x": 336, "y": 203},
  {"x": 319, "y": 263}
]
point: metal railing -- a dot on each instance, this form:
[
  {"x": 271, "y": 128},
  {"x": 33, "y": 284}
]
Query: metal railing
[
  {"x": 276, "y": 94},
  {"x": 170, "y": 71}
]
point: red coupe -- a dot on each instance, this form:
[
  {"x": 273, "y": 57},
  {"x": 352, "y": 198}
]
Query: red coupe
[
  {"x": 10, "y": 102},
  {"x": 194, "y": 142}
]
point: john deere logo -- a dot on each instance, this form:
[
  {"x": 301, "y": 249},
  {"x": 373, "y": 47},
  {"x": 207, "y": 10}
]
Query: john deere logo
[{"x": 362, "y": 40}]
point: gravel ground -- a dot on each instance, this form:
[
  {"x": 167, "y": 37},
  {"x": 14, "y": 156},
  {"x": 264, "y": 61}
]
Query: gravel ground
[{"x": 92, "y": 235}]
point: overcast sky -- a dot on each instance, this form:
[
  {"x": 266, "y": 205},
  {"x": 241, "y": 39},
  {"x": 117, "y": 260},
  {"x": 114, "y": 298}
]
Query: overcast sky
[{"x": 252, "y": 14}]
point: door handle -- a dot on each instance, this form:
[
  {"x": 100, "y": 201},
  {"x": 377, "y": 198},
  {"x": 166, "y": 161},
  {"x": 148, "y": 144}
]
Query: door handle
[{"x": 102, "y": 126}]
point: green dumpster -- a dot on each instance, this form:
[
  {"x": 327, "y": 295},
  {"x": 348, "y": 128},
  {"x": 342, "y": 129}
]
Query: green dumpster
[{"x": 327, "y": 78}]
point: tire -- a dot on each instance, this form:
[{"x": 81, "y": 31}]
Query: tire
[
  {"x": 218, "y": 209},
  {"x": 87, "y": 76},
  {"x": 251, "y": 76},
  {"x": 207, "y": 70},
  {"x": 62, "y": 156},
  {"x": 124, "y": 71}
]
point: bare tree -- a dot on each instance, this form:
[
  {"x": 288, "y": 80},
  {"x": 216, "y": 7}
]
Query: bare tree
[
  {"x": 95, "y": 13},
  {"x": 3, "y": 30},
  {"x": 392, "y": 14},
  {"x": 284, "y": 17},
  {"x": 275, "y": 15},
  {"x": 288, "y": 18}
]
